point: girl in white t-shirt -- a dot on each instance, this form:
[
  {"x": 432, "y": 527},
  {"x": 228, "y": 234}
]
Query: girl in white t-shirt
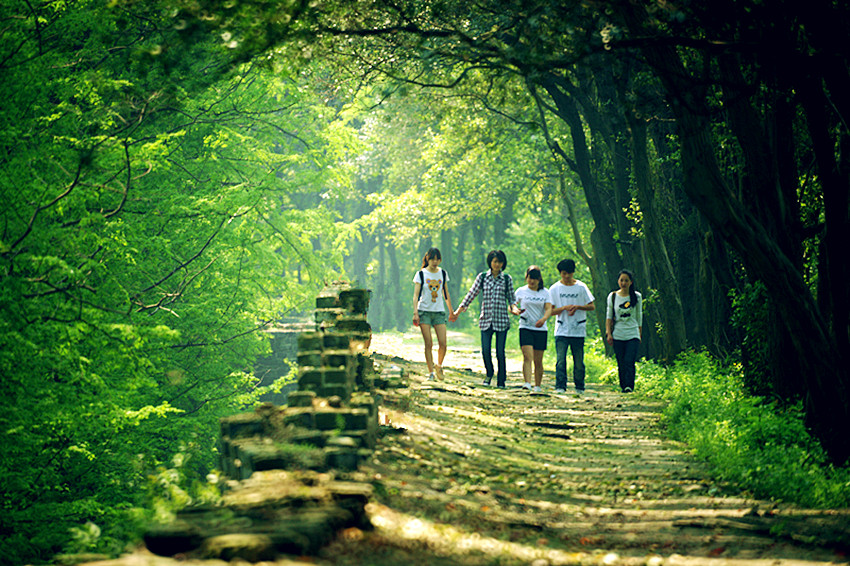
[
  {"x": 430, "y": 301},
  {"x": 535, "y": 308}
]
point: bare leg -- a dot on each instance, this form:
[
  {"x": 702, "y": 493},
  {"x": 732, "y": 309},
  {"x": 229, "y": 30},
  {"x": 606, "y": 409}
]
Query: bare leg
[
  {"x": 442, "y": 347},
  {"x": 538, "y": 367},
  {"x": 429, "y": 345},
  {"x": 527, "y": 359}
]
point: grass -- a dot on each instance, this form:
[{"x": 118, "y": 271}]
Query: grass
[{"x": 756, "y": 443}]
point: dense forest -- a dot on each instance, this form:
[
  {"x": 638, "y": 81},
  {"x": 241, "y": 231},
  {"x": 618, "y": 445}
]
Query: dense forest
[{"x": 180, "y": 176}]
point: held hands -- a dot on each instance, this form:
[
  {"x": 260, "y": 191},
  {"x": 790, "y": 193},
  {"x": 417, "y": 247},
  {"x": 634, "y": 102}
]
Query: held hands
[
  {"x": 453, "y": 316},
  {"x": 514, "y": 310}
]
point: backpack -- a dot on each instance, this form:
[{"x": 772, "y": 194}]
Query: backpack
[{"x": 422, "y": 284}]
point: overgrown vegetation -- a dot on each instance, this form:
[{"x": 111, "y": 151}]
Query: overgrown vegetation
[{"x": 756, "y": 442}]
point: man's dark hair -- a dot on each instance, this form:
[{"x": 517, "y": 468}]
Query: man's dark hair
[{"x": 567, "y": 265}]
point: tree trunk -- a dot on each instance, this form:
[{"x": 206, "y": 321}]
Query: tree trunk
[
  {"x": 813, "y": 355},
  {"x": 670, "y": 303}
]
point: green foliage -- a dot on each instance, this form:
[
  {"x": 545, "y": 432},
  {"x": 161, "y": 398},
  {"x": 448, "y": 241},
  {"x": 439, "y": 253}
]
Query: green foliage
[
  {"x": 748, "y": 440},
  {"x": 153, "y": 225},
  {"x": 750, "y": 314}
]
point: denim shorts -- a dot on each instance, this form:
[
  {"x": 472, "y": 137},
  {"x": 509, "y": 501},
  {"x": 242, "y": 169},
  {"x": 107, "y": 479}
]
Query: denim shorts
[
  {"x": 534, "y": 338},
  {"x": 432, "y": 318}
]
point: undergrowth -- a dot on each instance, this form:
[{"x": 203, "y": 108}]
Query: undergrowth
[{"x": 757, "y": 443}]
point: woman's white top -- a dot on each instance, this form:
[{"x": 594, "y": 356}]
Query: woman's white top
[
  {"x": 534, "y": 303},
  {"x": 627, "y": 317}
]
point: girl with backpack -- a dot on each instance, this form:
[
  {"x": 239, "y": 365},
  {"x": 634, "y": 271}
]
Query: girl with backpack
[
  {"x": 497, "y": 292},
  {"x": 430, "y": 299},
  {"x": 623, "y": 321}
]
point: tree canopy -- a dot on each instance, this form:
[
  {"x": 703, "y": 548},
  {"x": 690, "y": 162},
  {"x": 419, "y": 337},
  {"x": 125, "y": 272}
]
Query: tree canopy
[{"x": 177, "y": 176}]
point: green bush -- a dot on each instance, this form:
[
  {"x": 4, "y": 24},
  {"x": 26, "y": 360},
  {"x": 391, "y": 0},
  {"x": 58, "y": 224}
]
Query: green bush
[{"x": 751, "y": 441}]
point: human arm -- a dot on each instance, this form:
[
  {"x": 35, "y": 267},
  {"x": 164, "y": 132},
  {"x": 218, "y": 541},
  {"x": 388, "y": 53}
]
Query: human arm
[
  {"x": 452, "y": 314},
  {"x": 609, "y": 319},
  {"x": 417, "y": 287},
  {"x": 571, "y": 309},
  {"x": 547, "y": 312},
  {"x": 470, "y": 295}
]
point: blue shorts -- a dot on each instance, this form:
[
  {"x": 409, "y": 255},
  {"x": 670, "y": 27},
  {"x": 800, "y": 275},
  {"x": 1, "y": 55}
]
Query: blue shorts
[
  {"x": 534, "y": 338},
  {"x": 432, "y": 318}
]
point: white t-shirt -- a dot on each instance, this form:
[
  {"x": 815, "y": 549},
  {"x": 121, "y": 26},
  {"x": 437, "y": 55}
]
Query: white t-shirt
[
  {"x": 431, "y": 298},
  {"x": 574, "y": 326},
  {"x": 534, "y": 303},
  {"x": 629, "y": 317}
]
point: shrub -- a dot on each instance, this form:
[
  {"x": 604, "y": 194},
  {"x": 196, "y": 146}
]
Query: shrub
[{"x": 754, "y": 442}]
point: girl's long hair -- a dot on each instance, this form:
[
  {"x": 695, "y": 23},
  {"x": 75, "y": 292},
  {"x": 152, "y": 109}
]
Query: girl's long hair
[
  {"x": 533, "y": 272},
  {"x": 432, "y": 253},
  {"x": 632, "y": 291}
]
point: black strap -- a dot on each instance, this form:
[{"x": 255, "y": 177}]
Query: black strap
[{"x": 422, "y": 284}]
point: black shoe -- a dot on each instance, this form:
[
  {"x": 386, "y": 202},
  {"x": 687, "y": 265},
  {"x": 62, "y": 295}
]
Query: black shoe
[
  {"x": 486, "y": 382},
  {"x": 627, "y": 389}
]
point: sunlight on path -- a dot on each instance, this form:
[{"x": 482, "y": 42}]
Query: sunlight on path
[
  {"x": 464, "y": 351},
  {"x": 451, "y": 540}
]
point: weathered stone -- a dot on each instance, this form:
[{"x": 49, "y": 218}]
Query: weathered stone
[
  {"x": 338, "y": 358},
  {"x": 356, "y": 419},
  {"x": 342, "y": 442},
  {"x": 300, "y": 417},
  {"x": 337, "y": 376},
  {"x": 301, "y": 398},
  {"x": 327, "y": 317},
  {"x": 250, "y": 547},
  {"x": 173, "y": 538},
  {"x": 355, "y": 300},
  {"x": 308, "y": 341},
  {"x": 341, "y": 391},
  {"x": 345, "y": 459},
  {"x": 328, "y": 419},
  {"x": 311, "y": 379},
  {"x": 333, "y": 340},
  {"x": 353, "y": 323},
  {"x": 242, "y": 425},
  {"x": 327, "y": 301},
  {"x": 310, "y": 359}
]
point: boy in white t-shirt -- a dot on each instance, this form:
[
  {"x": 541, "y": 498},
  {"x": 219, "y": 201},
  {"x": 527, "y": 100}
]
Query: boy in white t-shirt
[{"x": 571, "y": 301}]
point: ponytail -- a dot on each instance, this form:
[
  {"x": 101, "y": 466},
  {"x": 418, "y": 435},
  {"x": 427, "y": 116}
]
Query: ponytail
[{"x": 430, "y": 254}]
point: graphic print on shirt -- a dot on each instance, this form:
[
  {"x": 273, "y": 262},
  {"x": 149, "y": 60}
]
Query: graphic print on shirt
[
  {"x": 434, "y": 286},
  {"x": 623, "y": 311}
]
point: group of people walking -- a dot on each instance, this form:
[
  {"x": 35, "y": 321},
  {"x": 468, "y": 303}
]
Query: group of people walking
[{"x": 568, "y": 300}]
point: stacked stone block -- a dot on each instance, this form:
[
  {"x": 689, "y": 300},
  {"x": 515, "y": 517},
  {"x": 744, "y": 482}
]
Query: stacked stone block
[
  {"x": 331, "y": 421},
  {"x": 277, "y": 454}
]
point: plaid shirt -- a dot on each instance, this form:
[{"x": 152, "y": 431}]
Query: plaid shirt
[{"x": 497, "y": 292}]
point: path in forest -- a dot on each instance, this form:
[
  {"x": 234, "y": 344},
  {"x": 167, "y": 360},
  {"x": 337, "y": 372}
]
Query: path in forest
[
  {"x": 479, "y": 475},
  {"x": 471, "y": 475}
]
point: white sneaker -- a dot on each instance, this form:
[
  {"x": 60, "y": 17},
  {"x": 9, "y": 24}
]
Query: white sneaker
[
  {"x": 431, "y": 377},
  {"x": 559, "y": 390},
  {"x": 537, "y": 389},
  {"x": 526, "y": 385}
]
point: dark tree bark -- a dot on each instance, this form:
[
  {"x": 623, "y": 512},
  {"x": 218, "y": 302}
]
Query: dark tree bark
[{"x": 814, "y": 353}]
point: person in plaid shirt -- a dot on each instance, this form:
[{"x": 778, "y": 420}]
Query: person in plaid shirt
[{"x": 497, "y": 292}]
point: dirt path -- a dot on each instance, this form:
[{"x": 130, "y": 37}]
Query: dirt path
[
  {"x": 478, "y": 475},
  {"x": 471, "y": 475}
]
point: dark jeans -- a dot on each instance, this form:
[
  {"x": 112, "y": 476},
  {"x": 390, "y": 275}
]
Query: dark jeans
[
  {"x": 627, "y": 353},
  {"x": 486, "y": 344},
  {"x": 562, "y": 344}
]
